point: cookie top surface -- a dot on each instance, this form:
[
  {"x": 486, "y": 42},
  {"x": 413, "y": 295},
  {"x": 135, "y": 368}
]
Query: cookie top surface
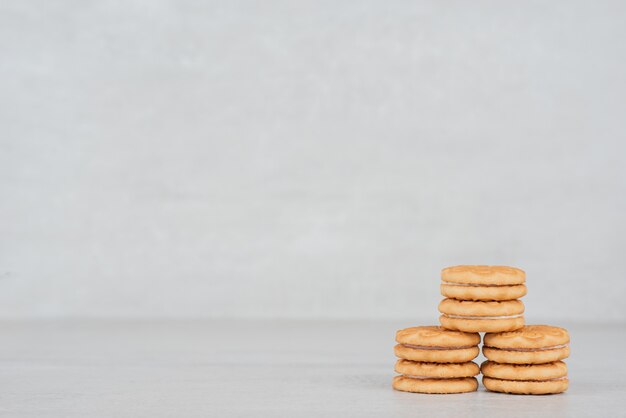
[
  {"x": 483, "y": 275},
  {"x": 531, "y": 336},
  {"x": 434, "y": 336},
  {"x": 480, "y": 309}
]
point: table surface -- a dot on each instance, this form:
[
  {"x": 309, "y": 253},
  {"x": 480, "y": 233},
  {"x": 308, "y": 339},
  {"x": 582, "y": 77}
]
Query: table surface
[{"x": 222, "y": 368}]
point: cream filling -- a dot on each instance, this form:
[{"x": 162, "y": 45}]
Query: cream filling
[
  {"x": 552, "y": 380},
  {"x": 478, "y": 285},
  {"x": 553, "y": 347},
  {"x": 427, "y": 377},
  {"x": 484, "y": 317},
  {"x": 532, "y": 380},
  {"x": 421, "y": 347}
]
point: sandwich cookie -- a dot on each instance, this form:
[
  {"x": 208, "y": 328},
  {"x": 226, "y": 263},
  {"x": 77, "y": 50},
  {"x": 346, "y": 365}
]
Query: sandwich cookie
[
  {"x": 422, "y": 377},
  {"x": 481, "y": 316},
  {"x": 533, "y": 344},
  {"x": 483, "y": 283},
  {"x": 436, "y": 345},
  {"x": 423, "y": 370},
  {"x": 526, "y": 379}
]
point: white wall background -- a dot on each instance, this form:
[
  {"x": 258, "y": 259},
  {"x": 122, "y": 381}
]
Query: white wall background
[{"x": 309, "y": 159}]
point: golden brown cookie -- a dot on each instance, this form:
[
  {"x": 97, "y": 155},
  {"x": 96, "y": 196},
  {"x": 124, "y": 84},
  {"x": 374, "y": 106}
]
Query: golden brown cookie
[
  {"x": 547, "y": 371},
  {"x": 483, "y": 324},
  {"x": 479, "y": 316},
  {"x": 457, "y": 385},
  {"x": 526, "y": 387},
  {"x": 436, "y": 345},
  {"x": 483, "y": 275},
  {"x": 477, "y": 292},
  {"x": 471, "y": 309},
  {"x": 533, "y": 344},
  {"x": 417, "y": 369},
  {"x": 532, "y": 356},
  {"x": 430, "y": 355},
  {"x": 531, "y": 336},
  {"x": 434, "y": 336}
]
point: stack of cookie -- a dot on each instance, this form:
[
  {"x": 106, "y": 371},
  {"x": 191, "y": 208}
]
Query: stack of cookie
[
  {"x": 521, "y": 359},
  {"x": 436, "y": 360},
  {"x": 482, "y": 298},
  {"x": 526, "y": 361}
]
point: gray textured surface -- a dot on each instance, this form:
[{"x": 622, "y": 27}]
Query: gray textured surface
[
  {"x": 267, "y": 159},
  {"x": 263, "y": 369}
]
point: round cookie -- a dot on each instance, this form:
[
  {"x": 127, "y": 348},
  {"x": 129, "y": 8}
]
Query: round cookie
[
  {"x": 434, "y": 336},
  {"x": 436, "y": 370},
  {"x": 457, "y": 385},
  {"x": 466, "y": 308},
  {"x": 531, "y": 336},
  {"x": 482, "y": 325},
  {"x": 526, "y": 357},
  {"x": 476, "y": 292},
  {"x": 526, "y": 387},
  {"x": 429, "y": 355},
  {"x": 436, "y": 345},
  {"x": 483, "y": 275},
  {"x": 547, "y": 371},
  {"x": 533, "y": 344}
]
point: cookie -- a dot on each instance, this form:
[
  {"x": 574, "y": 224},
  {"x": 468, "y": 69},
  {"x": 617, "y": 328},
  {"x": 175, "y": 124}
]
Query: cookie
[
  {"x": 483, "y": 275},
  {"x": 478, "y": 292},
  {"x": 436, "y": 345},
  {"x": 526, "y": 387},
  {"x": 483, "y": 283},
  {"x": 481, "y": 316},
  {"x": 456, "y": 385},
  {"x": 482, "y": 325},
  {"x": 533, "y": 344},
  {"x": 463, "y": 308},
  {"x": 503, "y": 371},
  {"x": 422, "y": 370},
  {"x": 434, "y": 336},
  {"x": 441, "y": 355}
]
